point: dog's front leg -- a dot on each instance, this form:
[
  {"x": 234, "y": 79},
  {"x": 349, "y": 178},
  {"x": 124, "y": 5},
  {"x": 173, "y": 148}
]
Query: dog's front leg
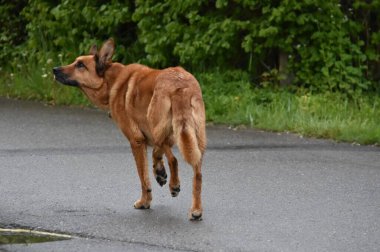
[{"x": 139, "y": 153}]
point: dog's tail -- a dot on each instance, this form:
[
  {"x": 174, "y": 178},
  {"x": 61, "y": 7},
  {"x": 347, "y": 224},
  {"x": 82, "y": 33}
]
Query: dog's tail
[{"x": 189, "y": 126}]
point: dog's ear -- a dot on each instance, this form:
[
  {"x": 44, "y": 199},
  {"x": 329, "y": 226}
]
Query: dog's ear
[
  {"x": 104, "y": 58},
  {"x": 93, "y": 50},
  {"x": 106, "y": 52}
]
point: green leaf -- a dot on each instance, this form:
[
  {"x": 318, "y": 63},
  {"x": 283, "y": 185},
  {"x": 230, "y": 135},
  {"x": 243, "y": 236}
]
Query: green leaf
[{"x": 269, "y": 31}]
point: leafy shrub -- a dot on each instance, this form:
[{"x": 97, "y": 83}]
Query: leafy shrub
[
  {"x": 328, "y": 45},
  {"x": 71, "y": 26},
  {"x": 321, "y": 42},
  {"x": 12, "y": 32}
]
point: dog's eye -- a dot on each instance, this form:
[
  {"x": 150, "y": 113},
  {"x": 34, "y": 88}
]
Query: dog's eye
[{"x": 79, "y": 64}]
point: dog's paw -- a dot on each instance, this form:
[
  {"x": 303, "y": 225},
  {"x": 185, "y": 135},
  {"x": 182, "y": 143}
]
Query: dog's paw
[
  {"x": 195, "y": 215},
  {"x": 161, "y": 176},
  {"x": 174, "y": 190},
  {"x": 141, "y": 205}
]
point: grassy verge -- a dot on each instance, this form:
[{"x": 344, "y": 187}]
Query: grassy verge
[
  {"x": 330, "y": 115},
  {"x": 231, "y": 99}
]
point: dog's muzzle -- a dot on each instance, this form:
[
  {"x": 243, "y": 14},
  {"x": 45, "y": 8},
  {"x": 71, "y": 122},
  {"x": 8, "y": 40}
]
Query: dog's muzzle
[{"x": 63, "y": 78}]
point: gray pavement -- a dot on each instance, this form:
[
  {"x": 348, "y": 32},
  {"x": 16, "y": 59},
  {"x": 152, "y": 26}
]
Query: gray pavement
[{"x": 70, "y": 170}]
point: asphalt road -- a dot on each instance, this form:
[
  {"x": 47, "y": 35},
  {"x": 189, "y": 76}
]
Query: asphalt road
[{"x": 70, "y": 170}]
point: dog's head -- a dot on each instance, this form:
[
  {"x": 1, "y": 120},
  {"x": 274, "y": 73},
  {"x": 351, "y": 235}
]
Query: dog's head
[{"x": 87, "y": 72}]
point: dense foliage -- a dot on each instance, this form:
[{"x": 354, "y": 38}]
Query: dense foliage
[{"x": 316, "y": 45}]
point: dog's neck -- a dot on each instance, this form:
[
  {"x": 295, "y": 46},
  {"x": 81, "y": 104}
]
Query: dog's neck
[
  {"x": 111, "y": 74},
  {"x": 100, "y": 96},
  {"x": 114, "y": 82}
]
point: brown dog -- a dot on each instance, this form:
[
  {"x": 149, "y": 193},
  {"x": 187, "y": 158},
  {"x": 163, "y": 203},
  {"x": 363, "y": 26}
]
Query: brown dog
[{"x": 151, "y": 107}]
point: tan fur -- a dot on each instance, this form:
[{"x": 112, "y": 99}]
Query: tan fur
[{"x": 151, "y": 107}]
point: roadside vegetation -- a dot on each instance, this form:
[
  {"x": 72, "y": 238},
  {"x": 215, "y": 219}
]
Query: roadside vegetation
[{"x": 310, "y": 67}]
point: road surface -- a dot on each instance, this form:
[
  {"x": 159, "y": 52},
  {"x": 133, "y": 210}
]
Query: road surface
[{"x": 70, "y": 170}]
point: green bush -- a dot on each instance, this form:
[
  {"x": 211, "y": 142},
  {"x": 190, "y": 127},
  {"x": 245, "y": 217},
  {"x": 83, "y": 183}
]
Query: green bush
[
  {"x": 316, "y": 37},
  {"x": 12, "y": 32},
  {"x": 199, "y": 34},
  {"x": 328, "y": 45},
  {"x": 71, "y": 27}
]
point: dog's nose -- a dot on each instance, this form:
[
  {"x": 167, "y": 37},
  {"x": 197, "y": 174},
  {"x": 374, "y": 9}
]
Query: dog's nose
[{"x": 56, "y": 70}]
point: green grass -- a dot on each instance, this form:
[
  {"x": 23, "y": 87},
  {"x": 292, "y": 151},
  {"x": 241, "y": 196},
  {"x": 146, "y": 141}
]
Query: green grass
[
  {"x": 330, "y": 115},
  {"x": 231, "y": 99}
]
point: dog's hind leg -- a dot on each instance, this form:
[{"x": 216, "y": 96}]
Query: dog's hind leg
[
  {"x": 174, "y": 184},
  {"x": 196, "y": 208},
  {"x": 159, "y": 171},
  {"x": 189, "y": 131},
  {"x": 159, "y": 118}
]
